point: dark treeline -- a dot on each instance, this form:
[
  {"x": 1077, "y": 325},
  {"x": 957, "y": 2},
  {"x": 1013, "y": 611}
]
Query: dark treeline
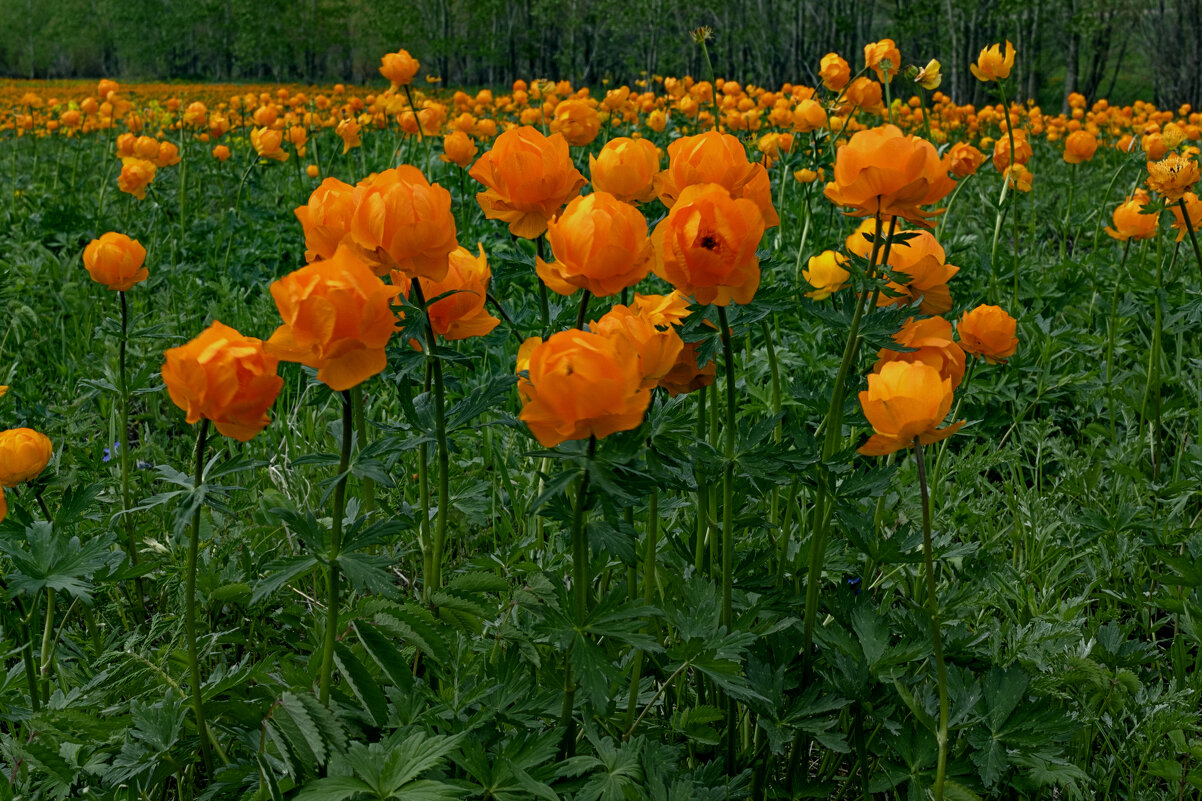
[{"x": 1102, "y": 48}]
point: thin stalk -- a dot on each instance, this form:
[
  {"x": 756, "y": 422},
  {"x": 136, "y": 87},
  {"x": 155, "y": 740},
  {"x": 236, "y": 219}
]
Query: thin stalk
[
  {"x": 728, "y": 504},
  {"x": 933, "y": 609},
  {"x": 649, "y": 560},
  {"x": 369, "y": 486},
  {"x": 190, "y": 604},
  {"x": 1013, "y": 160},
  {"x": 1111, "y": 333},
  {"x": 416, "y": 117},
  {"x": 444, "y": 458},
  {"x": 1193, "y": 237},
  {"x": 544, "y": 303},
  {"x": 997, "y": 231},
  {"x": 582, "y": 312},
  {"x": 47, "y": 638},
  {"x": 580, "y": 597},
  {"x": 131, "y": 541},
  {"x": 332, "y": 576},
  {"x": 702, "y": 491}
]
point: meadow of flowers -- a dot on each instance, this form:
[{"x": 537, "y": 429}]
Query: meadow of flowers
[{"x": 684, "y": 440}]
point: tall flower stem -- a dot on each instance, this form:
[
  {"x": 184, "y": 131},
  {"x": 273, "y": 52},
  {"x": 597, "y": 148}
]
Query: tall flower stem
[
  {"x": 932, "y": 604},
  {"x": 582, "y": 312},
  {"x": 131, "y": 541},
  {"x": 1111, "y": 331},
  {"x": 580, "y": 599},
  {"x": 1193, "y": 236},
  {"x": 833, "y": 437},
  {"x": 1068, "y": 207},
  {"x": 434, "y": 571},
  {"x": 198, "y": 709},
  {"x": 332, "y": 575},
  {"x": 413, "y": 108},
  {"x": 649, "y": 559},
  {"x": 369, "y": 486},
  {"x": 1013, "y": 160},
  {"x": 544, "y": 303},
  {"x": 702, "y": 492},
  {"x": 728, "y": 475},
  {"x": 997, "y": 233}
]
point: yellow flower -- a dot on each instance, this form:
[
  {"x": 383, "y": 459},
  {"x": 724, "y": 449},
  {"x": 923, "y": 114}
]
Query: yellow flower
[
  {"x": 826, "y": 274},
  {"x": 1172, "y": 177},
  {"x": 992, "y": 65},
  {"x": 929, "y": 76}
]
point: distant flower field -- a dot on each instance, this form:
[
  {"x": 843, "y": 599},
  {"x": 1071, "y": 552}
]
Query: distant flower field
[{"x": 683, "y": 440}]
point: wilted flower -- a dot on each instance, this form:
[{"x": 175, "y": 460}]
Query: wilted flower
[{"x": 929, "y": 77}]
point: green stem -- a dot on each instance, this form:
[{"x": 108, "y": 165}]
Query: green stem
[
  {"x": 444, "y": 493},
  {"x": 190, "y": 604},
  {"x": 131, "y": 547},
  {"x": 997, "y": 231},
  {"x": 1193, "y": 237},
  {"x": 582, "y": 312},
  {"x": 649, "y": 560},
  {"x": 580, "y": 597},
  {"x": 728, "y": 504},
  {"x": 1013, "y": 161},
  {"x": 47, "y": 634},
  {"x": 702, "y": 491},
  {"x": 1111, "y": 333},
  {"x": 544, "y": 303},
  {"x": 331, "y": 632},
  {"x": 416, "y": 118},
  {"x": 933, "y": 610}
]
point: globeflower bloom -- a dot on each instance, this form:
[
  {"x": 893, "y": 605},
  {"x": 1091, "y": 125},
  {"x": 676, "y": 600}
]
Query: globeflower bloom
[
  {"x": 1080, "y": 146},
  {"x": 1193, "y": 207},
  {"x": 1130, "y": 220},
  {"x": 136, "y": 175},
  {"x": 922, "y": 259},
  {"x": 527, "y": 177},
  {"x": 904, "y": 401},
  {"x": 809, "y": 115},
  {"x": 268, "y": 143},
  {"x": 882, "y": 171},
  {"x": 577, "y": 121},
  {"x": 1173, "y": 176},
  {"x": 657, "y": 345},
  {"x": 933, "y": 343},
  {"x": 834, "y": 71},
  {"x": 1001, "y": 150},
  {"x": 994, "y": 65},
  {"x": 706, "y": 246},
  {"x": 338, "y": 318},
  {"x": 1019, "y": 177},
  {"x": 24, "y": 454},
  {"x": 600, "y": 245},
  {"x": 883, "y": 58},
  {"x": 461, "y": 314},
  {"x": 116, "y": 261},
  {"x": 326, "y": 218},
  {"x": 348, "y": 132},
  {"x": 963, "y": 160},
  {"x": 989, "y": 332},
  {"x": 716, "y": 158},
  {"x": 626, "y": 168},
  {"x": 580, "y": 384},
  {"x": 458, "y": 149},
  {"x": 399, "y": 67},
  {"x": 930, "y": 76},
  {"x": 406, "y": 222},
  {"x": 826, "y": 273},
  {"x": 224, "y": 377}
]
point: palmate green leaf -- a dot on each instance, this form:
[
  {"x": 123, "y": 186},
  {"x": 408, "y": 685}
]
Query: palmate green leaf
[
  {"x": 302, "y": 731},
  {"x": 280, "y": 573},
  {"x": 75, "y": 503},
  {"x": 52, "y": 560},
  {"x": 412, "y": 624},
  {"x": 385, "y": 654},
  {"x": 335, "y": 788}
]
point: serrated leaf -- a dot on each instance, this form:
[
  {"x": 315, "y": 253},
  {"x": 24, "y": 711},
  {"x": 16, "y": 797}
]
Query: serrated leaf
[{"x": 361, "y": 683}]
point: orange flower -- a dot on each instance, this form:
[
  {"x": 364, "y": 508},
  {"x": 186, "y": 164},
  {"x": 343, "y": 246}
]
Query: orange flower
[
  {"x": 706, "y": 246},
  {"x": 24, "y": 454},
  {"x": 932, "y": 340},
  {"x": 626, "y": 168},
  {"x": 168, "y": 155},
  {"x": 135, "y": 176},
  {"x": 657, "y": 345},
  {"x": 903, "y": 401},
  {"x": 399, "y": 67},
  {"x": 224, "y": 377},
  {"x": 600, "y": 245},
  {"x": 922, "y": 259},
  {"x": 326, "y": 218},
  {"x": 1171, "y": 177},
  {"x": 992, "y": 64},
  {"x": 116, "y": 261},
  {"x": 1019, "y": 178},
  {"x": 863, "y": 93},
  {"x": 338, "y": 318},
  {"x": 461, "y": 314},
  {"x": 963, "y": 160},
  {"x": 883, "y": 58},
  {"x": 715, "y": 158},
  {"x": 348, "y": 132},
  {"x": 3, "y": 505},
  {"x": 685, "y": 376},
  {"x": 661, "y": 310},
  {"x": 579, "y": 384},
  {"x": 1001, "y": 150},
  {"x": 577, "y": 121},
  {"x": 405, "y": 222},
  {"x": 268, "y": 143},
  {"x": 809, "y": 115},
  {"x": 834, "y": 71},
  {"x": 458, "y": 148},
  {"x": 528, "y": 177},
  {"x": 146, "y": 148},
  {"x": 125, "y": 146},
  {"x": 221, "y": 152},
  {"x": 882, "y": 171},
  {"x": 1080, "y": 146},
  {"x": 988, "y": 331},
  {"x": 826, "y": 273},
  {"x": 1130, "y": 220},
  {"x": 1193, "y": 207}
]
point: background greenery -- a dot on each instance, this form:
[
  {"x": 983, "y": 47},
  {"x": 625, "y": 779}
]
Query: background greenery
[{"x": 1119, "y": 49}]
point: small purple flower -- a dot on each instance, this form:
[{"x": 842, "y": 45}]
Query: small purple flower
[{"x": 109, "y": 453}]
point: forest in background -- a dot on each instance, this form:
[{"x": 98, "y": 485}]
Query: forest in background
[{"x": 1117, "y": 49}]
